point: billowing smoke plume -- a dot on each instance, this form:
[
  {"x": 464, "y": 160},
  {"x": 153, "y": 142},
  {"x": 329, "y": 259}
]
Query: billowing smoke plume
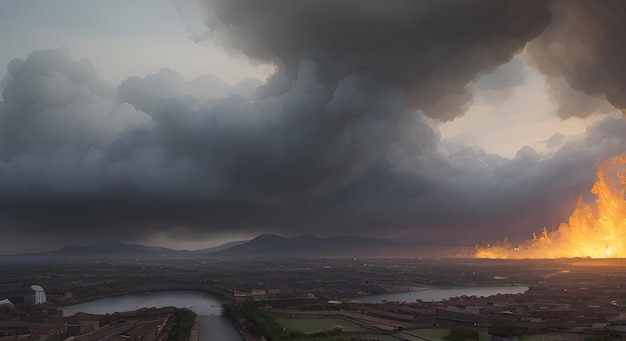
[
  {"x": 433, "y": 49},
  {"x": 585, "y": 45}
]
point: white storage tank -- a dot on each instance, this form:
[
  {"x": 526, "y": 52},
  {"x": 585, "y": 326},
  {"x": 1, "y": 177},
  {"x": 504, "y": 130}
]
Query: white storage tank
[{"x": 39, "y": 295}]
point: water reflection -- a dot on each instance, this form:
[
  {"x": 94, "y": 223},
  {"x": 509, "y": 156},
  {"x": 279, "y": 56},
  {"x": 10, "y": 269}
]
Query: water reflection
[
  {"x": 440, "y": 294},
  {"x": 213, "y": 326}
]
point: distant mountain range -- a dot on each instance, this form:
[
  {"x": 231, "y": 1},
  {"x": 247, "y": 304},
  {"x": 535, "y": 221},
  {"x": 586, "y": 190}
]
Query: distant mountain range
[
  {"x": 104, "y": 249},
  {"x": 343, "y": 246},
  {"x": 110, "y": 247},
  {"x": 263, "y": 245}
]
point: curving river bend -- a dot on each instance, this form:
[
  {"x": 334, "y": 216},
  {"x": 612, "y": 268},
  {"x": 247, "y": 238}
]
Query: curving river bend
[{"x": 213, "y": 326}]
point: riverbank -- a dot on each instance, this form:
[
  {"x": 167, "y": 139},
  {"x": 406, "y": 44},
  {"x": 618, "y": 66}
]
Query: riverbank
[
  {"x": 194, "y": 335},
  {"x": 437, "y": 294}
]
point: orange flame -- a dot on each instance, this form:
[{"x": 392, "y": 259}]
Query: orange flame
[{"x": 596, "y": 230}]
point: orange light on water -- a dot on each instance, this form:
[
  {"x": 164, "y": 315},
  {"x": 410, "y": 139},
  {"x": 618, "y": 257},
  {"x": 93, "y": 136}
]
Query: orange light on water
[{"x": 596, "y": 229}]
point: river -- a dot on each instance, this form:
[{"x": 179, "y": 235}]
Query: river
[
  {"x": 213, "y": 326},
  {"x": 440, "y": 294}
]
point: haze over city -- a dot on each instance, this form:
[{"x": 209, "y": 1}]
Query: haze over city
[{"x": 187, "y": 124}]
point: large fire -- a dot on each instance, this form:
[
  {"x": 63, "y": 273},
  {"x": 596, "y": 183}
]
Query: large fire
[{"x": 596, "y": 229}]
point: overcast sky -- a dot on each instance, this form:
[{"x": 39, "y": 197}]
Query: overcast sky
[{"x": 194, "y": 122}]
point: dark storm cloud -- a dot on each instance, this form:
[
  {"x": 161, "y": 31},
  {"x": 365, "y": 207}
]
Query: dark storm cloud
[
  {"x": 433, "y": 49},
  {"x": 331, "y": 145},
  {"x": 585, "y": 45},
  {"x": 187, "y": 157},
  {"x": 86, "y": 164}
]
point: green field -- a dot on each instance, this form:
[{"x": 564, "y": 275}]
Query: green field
[
  {"x": 553, "y": 336},
  {"x": 316, "y": 325},
  {"x": 431, "y": 334},
  {"x": 351, "y": 336}
]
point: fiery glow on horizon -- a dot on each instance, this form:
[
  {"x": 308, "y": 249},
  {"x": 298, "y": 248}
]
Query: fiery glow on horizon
[{"x": 596, "y": 229}]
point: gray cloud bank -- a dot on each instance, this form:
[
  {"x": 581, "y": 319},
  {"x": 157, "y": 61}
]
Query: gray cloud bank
[{"x": 332, "y": 144}]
